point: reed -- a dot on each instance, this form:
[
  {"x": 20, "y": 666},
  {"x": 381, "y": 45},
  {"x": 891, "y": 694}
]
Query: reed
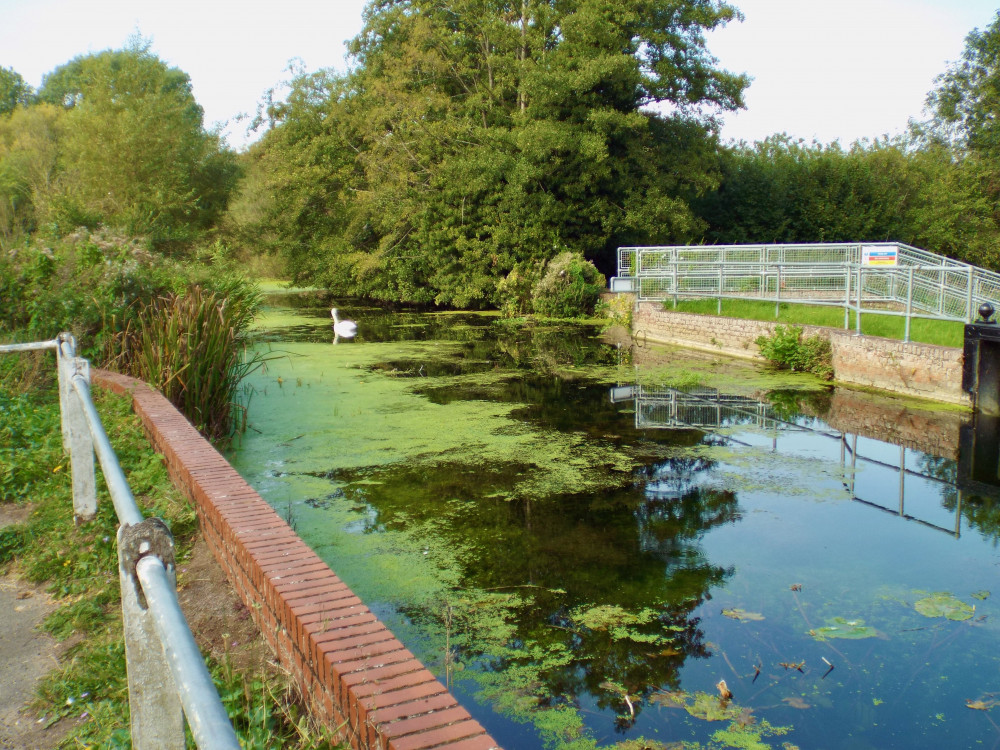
[{"x": 192, "y": 347}]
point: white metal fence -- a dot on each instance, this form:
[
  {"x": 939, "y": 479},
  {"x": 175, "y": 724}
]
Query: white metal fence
[
  {"x": 167, "y": 677},
  {"x": 888, "y": 278}
]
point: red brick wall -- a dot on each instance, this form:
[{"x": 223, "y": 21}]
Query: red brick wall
[
  {"x": 355, "y": 674},
  {"x": 912, "y": 369}
]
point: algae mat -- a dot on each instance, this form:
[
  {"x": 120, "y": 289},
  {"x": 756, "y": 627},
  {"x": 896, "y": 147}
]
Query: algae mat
[{"x": 572, "y": 572}]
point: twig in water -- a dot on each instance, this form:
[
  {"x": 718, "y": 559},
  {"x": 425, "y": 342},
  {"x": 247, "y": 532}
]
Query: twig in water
[{"x": 827, "y": 661}]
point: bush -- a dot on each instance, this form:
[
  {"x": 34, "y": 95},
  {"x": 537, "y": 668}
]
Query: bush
[
  {"x": 787, "y": 350},
  {"x": 618, "y": 310},
  {"x": 514, "y": 292},
  {"x": 569, "y": 287}
]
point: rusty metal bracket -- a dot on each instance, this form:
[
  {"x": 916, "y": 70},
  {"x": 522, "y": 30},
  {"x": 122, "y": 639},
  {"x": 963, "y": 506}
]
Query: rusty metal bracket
[{"x": 148, "y": 538}]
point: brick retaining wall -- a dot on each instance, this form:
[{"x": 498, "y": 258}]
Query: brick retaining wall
[
  {"x": 912, "y": 369},
  {"x": 352, "y": 670}
]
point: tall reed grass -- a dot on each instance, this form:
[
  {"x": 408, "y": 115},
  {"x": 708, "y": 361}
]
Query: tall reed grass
[{"x": 192, "y": 347}]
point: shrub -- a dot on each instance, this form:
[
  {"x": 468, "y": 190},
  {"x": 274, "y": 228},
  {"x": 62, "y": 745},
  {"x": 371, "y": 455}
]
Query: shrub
[
  {"x": 514, "y": 292},
  {"x": 617, "y": 309},
  {"x": 569, "y": 287},
  {"x": 787, "y": 350}
]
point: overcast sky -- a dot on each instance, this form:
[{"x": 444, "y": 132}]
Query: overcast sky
[{"x": 822, "y": 69}]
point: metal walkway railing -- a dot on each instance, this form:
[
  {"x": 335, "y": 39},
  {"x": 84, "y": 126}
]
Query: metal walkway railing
[
  {"x": 167, "y": 677},
  {"x": 888, "y": 278}
]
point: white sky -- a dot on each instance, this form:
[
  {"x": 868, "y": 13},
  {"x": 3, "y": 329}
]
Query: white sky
[{"x": 822, "y": 69}]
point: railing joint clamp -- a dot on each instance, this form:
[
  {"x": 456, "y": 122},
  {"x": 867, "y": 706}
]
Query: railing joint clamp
[{"x": 148, "y": 538}]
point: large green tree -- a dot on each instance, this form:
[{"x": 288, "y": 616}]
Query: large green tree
[
  {"x": 473, "y": 135},
  {"x": 135, "y": 153},
  {"x": 965, "y": 103},
  {"x": 29, "y": 153}
]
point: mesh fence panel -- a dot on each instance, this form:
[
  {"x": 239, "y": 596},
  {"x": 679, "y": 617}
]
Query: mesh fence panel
[{"x": 815, "y": 273}]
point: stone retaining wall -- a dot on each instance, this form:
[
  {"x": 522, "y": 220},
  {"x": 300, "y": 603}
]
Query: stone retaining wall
[
  {"x": 352, "y": 670},
  {"x": 912, "y": 369}
]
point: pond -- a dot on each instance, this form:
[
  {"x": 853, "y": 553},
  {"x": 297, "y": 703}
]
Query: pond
[{"x": 589, "y": 542}]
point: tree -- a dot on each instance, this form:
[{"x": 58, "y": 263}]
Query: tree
[
  {"x": 478, "y": 134},
  {"x": 965, "y": 103},
  {"x": 29, "y": 151},
  {"x": 135, "y": 154},
  {"x": 14, "y": 91}
]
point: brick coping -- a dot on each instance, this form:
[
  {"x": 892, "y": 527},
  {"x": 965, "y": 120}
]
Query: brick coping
[{"x": 356, "y": 676}]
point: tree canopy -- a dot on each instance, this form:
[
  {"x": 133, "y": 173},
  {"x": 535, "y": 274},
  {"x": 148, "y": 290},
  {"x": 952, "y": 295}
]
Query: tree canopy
[
  {"x": 472, "y": 136},
  {"x": 14, "y": 91},
  {"x": 116, "y": 138},
  {"x": 965, "y": 102}
]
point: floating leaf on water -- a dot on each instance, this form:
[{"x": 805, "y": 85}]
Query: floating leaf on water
[
  {"x": 943, "y": 604},
  {"x": 796, "y": 702},
  {"x": 981, "y": 705},
  {"x": 711, "y": 708},
  {"x": 840, "y": 627},
  {"x": 742, "y": 615},
  {"x": 981, "y": 595}
]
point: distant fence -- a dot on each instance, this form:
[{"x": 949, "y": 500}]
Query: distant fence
[
  {"x": 167, "y": 677},
  {"x": 885, "y": 278}
]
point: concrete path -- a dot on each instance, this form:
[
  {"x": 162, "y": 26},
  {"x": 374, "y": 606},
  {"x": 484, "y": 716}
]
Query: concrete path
[{"x": 26, "y": 654}]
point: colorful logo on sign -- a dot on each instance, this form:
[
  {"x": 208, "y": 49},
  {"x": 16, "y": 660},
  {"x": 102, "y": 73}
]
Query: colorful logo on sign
[{"x": 878, "y": 255}]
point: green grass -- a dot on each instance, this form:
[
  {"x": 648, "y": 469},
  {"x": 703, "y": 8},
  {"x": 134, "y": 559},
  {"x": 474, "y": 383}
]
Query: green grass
[
  {"x": 78, "y": 567},
  {"x": 940, "y": 332}
]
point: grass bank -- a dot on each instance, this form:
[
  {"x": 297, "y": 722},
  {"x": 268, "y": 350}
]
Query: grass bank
[
  {"x": 940, "y": 332},
  {"x": 78, "y": 567}
]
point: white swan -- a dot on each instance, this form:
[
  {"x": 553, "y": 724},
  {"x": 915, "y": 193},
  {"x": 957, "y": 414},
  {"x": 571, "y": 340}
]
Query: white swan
[{"x": 345, "y": 328}]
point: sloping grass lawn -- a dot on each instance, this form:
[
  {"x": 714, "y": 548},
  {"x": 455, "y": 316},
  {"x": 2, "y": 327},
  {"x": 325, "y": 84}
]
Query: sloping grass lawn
[{"x": 940, "y": 332}]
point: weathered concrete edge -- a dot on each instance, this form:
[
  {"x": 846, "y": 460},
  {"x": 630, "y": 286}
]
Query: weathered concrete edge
[
  {"x": 356, "y": 676},
  {"x": 911, "y": 369}
]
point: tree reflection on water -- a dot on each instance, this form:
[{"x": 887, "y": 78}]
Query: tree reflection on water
[{"x": 567, "y": 597}]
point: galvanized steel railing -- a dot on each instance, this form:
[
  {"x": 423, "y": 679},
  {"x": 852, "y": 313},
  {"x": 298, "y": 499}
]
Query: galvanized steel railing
[
  {"x": 888, "y": 278},
  {"x": 167, "y": 677}
]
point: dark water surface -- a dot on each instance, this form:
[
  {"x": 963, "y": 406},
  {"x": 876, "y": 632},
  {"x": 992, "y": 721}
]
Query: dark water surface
[{"x": 583, "y": 559}]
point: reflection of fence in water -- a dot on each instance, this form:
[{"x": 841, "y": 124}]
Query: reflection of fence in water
[
  {"x": 665, "y": 408},
  {"x": 709, "y": 410}
]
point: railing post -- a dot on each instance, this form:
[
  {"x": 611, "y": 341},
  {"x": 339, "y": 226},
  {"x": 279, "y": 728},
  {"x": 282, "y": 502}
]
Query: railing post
[
  {"x": 721, "y": 290},
  {"x": 857, "y": 315},
  {"x": 909, "y": 303},
  {"x": 77, "y": 440},
  {"x": 847, "y": 296},
  {"x": 157, "y": 719},
  {"x": 968, "y": 298},
  {"x": 777, "y": 294}
]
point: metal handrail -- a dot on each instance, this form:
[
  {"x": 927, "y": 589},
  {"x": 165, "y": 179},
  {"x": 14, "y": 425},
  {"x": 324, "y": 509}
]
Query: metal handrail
[
  {"x": 168, "y": 678},
  {"x": 921, "y": 284}
]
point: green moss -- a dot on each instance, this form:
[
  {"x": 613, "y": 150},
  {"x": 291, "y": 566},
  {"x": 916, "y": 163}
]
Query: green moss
[{"x": 748, "y": 736}]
